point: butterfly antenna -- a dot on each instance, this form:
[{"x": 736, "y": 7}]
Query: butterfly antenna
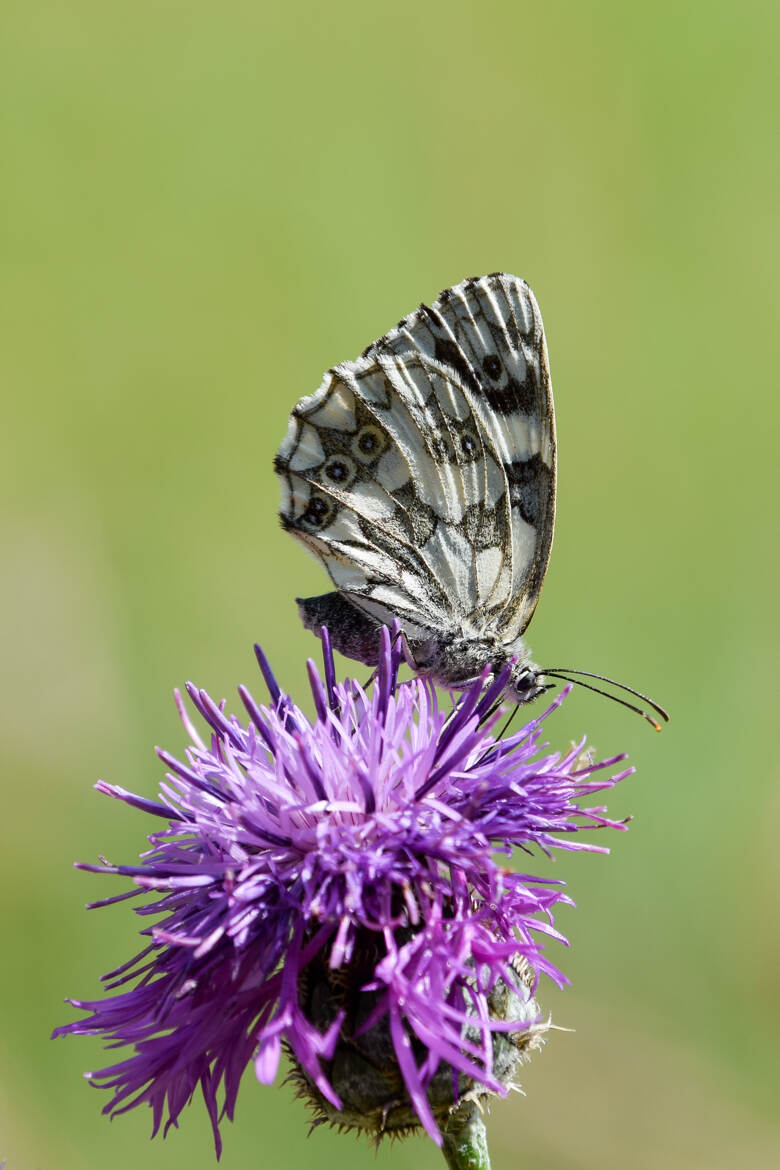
[
  {"x": 614, "y": 683},
  {"x": 558, "y": 672}
]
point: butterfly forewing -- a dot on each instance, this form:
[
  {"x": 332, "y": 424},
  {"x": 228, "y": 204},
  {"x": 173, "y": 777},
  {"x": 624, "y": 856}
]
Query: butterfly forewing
[{"x": 489, "y": 330}]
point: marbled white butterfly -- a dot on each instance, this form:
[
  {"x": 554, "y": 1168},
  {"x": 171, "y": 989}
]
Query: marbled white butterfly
[{"x": 422, "y": 474}]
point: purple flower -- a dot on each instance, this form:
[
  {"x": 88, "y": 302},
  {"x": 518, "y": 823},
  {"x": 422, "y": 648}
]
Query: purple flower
[{"x": 331, "y": 887}]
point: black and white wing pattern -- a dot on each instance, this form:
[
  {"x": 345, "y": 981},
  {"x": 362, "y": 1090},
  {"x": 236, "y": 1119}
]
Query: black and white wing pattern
[
  {"x": 422, "y": 474},
  {"x": 489, "y": 331}
]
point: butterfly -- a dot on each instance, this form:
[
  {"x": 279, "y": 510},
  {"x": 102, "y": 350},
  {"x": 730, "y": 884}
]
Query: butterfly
[{"x": 422, "y": 475}]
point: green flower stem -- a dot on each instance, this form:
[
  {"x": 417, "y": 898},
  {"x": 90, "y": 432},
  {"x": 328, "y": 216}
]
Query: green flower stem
[{"x": 465, "y": 1139}]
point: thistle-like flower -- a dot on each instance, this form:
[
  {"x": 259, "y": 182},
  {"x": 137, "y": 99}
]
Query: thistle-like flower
[{"x": 331, "y": 887}]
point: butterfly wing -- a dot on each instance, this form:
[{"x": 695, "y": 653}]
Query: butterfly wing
[
  {"x": 422, "y": 474},
  {"x": 391, "y": 479},
  {"x": 489, "y": 331}
]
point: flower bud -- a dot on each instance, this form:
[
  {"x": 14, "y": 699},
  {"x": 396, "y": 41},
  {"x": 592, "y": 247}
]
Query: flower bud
[{"x": 365, "y": 1071}]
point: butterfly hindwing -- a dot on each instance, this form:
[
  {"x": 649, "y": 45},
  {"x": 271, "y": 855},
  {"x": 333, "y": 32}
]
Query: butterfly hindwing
[{"x": 392, "y": 480}]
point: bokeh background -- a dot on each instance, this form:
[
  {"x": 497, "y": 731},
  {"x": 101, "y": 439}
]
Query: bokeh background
[{"x": 203, "y": 207}]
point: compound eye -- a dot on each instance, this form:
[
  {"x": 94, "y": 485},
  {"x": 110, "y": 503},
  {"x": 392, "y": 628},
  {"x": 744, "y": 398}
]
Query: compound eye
[
  {"x": 526, "y": 683},
  {"x": 318, "y": 512},
  {"x": 340, "y": 470},
  {"x": 368, "y": 444}
]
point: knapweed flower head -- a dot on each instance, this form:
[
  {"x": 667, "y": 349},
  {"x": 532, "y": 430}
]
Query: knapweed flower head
[{"x": 335, "y": 887}]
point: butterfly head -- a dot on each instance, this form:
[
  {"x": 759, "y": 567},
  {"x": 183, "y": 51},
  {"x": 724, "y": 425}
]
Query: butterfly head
[{"x": 526, "y": 683}]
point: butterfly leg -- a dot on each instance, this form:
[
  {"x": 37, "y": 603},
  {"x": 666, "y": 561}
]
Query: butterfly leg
[{"x": 399, "y": 636}]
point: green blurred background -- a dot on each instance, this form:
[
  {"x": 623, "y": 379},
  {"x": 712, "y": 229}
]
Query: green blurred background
[{"x": 203, "y": 207}]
